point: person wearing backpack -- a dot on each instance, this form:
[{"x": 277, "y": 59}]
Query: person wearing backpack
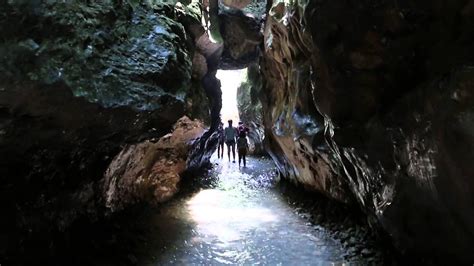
[
  {"x": 242, "y": 147},
  {"x": 242, "y": 128}
]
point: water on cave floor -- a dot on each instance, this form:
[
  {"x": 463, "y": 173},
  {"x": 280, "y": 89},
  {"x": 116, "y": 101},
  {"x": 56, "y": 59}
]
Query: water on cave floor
[{"x": 242, "y": 219}]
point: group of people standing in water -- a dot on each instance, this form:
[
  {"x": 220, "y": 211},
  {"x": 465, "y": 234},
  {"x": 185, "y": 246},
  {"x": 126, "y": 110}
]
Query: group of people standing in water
[{"x": 233, "y": 136}]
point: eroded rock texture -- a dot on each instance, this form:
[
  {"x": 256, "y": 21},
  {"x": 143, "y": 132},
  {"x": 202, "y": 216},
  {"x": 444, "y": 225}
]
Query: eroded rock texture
[
  {"x": 372, "y": 102},
  {"x": 150, "y": 172},
  {"x": 250, "y": 108},
  {"x": 106, "y": 53},
  {"x": 81, "y": 81},
  {"x": 242, "y": 37}
]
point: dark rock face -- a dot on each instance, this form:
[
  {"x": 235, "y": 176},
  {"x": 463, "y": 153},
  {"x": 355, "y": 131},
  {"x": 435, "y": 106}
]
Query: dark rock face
[
  {"x": 242, "y": 37},
  {"x": 250, "y": 108},
  {"x": 373, "y": 103},
  {"x": 80, "y": 82},
  {"x": 107, "y": 54},
  {"x": 55, "y": 149}
]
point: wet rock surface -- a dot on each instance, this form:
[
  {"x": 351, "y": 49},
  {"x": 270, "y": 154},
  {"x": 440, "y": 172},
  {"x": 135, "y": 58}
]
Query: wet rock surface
[
  {"x": 364, "y": 102},
  {"x": 109, "y": 54},
  {"x": 79, "y": 82}
]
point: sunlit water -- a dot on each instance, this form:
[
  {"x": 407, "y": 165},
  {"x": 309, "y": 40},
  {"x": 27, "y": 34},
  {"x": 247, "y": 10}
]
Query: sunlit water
[{"x": 242, "y": 220}]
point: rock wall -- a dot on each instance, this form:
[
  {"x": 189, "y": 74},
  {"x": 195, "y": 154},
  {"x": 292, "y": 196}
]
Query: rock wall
[
  {"x": 242, "y": 38},
  {"x": 250, "y": 108},
  {"x": 372, "y": 103},
  {"x": 80, "y": 83}
]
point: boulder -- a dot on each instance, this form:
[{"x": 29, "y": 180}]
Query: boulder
[{"x": 150, "y": 172}]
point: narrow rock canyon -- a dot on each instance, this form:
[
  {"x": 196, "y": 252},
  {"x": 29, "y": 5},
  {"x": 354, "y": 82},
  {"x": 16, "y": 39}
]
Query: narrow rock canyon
[{"x": 109, "y": 116}]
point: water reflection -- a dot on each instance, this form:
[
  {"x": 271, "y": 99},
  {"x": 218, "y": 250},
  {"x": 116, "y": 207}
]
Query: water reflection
[
  {"x": 242, "y": 220},
  {"x": 220, "y": 214}
]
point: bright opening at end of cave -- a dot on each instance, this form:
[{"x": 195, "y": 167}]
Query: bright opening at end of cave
[{"x": 230, "y": 82}]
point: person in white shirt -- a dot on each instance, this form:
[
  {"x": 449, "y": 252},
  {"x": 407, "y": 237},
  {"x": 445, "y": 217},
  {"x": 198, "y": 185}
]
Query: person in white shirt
[{"x": 230, "y": 133}]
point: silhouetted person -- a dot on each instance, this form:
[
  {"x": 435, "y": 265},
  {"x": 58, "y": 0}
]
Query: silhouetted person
[
  {"x": 230, "y": 133},
  {"x": 242, "y": 147},
  {"x": 221, "y": 141}
]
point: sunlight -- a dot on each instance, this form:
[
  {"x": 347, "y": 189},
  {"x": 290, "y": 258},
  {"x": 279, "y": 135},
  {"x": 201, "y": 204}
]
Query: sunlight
[
  {"x": 220, "y": 214},
  {"x": 230, "y": 81}
]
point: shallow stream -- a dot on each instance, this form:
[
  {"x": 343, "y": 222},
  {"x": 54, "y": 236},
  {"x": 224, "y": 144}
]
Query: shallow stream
[{"x": 243, "y": 219}]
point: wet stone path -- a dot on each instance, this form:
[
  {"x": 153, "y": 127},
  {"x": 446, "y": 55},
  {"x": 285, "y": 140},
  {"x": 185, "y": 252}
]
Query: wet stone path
[{"x": 242, "y": 219}]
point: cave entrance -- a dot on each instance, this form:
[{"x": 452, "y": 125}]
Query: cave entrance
[{"x": 230, "y": 82}]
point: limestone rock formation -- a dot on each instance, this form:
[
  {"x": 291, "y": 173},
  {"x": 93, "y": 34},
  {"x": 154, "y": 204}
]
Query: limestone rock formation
[
  {"x": 150, "y": 172},
  {"x": 80, "y": 80},
  {"x": 372, "y": 102},
  {"x": 250, "y": 108},
  {"x": 242, "y": 38},
  {"x": 107, "y": 54}
]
